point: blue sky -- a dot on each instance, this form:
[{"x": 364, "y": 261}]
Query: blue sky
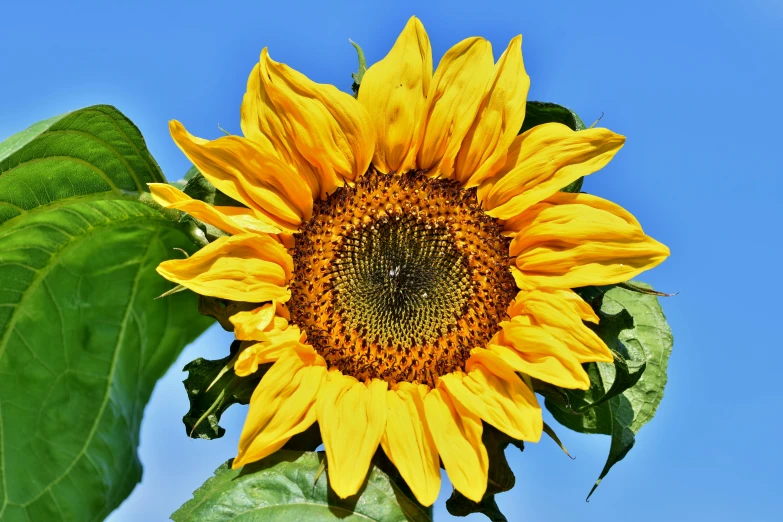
[{"x": 695, "y": 87}]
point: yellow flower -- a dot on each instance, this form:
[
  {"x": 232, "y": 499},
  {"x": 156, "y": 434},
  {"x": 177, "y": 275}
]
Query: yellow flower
[{"x": 412, "y": 257}]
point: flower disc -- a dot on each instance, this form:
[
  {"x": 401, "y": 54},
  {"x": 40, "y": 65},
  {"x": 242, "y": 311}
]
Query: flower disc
[{"x": 399, "y": 277}]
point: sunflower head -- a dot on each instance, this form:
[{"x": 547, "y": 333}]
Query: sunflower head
[{"x": 411, "y": 255}]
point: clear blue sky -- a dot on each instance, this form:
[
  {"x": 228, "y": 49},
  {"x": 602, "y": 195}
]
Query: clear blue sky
[{"x": 695, "y": 86}]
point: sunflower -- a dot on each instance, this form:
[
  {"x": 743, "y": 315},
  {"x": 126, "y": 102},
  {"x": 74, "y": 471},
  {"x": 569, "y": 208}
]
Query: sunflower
[{"x": 412, "y": 256}]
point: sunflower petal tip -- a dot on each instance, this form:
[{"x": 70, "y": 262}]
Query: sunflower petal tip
[
  {"x": 344, "y": 489},
  {"x": 475, "y": 494},
  {"x": 619, "y": 140},
  {"x": 175, "y": 127},
  {"x": 414, "y": 24},
  {"x": 237, "y": 462}
]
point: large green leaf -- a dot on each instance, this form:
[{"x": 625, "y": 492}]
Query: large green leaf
[
  {"x": 82, "y": 340},
  {"x": 621, "y": 399},
  {"x": 290, "y": 485}
]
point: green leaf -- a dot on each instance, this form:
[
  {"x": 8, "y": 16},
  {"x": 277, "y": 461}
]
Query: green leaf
[
  {"x": 571, "y": 408},
  {"x": 650, "y": 336},
  {"x": 82, "y": 339},
  {"x": 537, "y": 113},
  {"x": 223, "y": 309},
  {"x": 198, "y": 187},
  {"x": 212, "y": 386},
  {"x": 359, "y": 74},
  {"x": 574, "y": 186},
  {"x": 634, "y": 326},
  {"x": 190, "y": 174},
  {"x": 283, "y": 487},
  {"x": 461, "y": 506},
  {"x": 629, "y": 361}
]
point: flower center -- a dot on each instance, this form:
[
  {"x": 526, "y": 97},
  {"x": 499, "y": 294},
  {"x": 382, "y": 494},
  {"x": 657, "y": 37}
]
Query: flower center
[{"x": 399, "y": 277}]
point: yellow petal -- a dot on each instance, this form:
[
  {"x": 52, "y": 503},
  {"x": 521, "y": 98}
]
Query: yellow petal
[
  {"x": 497, "y": 121},
  {"x": 578, "y": 305},
  {"x": 331, "y": 130},
  {"x": 533, "y": 350},
  {"x": 224, "y": 218},
  {"x": 454, "y": 97},
  {"x": 574, "y": 240},
  {"x": 243, "y": 170},
  {"x": 249, "y": 220},
  {"x": 282, "y": 405},
  {"x": 408, "y": 442},
  {"x": 394, "y": 92},
  {"x": 273, "y": 345},
  {"x": 566, "y": 295},
  {"x": 261, "y": 123},
  {"x": 352, "y": 418},
  {"x": 562, "y": 317},
  {"x": 497, "y": 395},
  {"x": 543, "y": 160},
  {"x": 246, "y": 267},
  {"x": 457, "y": 435},
  {"x": 253, "y": 324}
]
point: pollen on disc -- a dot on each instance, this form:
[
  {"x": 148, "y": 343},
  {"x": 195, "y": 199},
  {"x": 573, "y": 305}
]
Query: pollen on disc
[{"x": 399, "y": 277}]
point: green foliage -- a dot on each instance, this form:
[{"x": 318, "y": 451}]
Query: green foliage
[
  {"x": 82, "y": 340},
  {"x": 190, "y": 174},
  {"x": 195, "y": 185},
  {"x": 212, "y": 387},
  {"x": 537, "y": 113},
  {"x": 625, "y": 395},
  {"x": 289, "y": 485}
]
